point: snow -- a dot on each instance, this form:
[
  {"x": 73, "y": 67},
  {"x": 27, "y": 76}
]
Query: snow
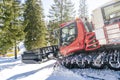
[{"x": 11, "y": 69}]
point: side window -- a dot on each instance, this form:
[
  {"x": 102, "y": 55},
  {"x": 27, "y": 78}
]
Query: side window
[
  {"x": 88, "y": 26},
  {"x": 68, "y": 34}
]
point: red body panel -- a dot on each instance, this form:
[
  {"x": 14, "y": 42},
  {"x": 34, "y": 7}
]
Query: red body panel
[
  {"x": 91, "y": 42},
  {"x": 82, "y": 41}
]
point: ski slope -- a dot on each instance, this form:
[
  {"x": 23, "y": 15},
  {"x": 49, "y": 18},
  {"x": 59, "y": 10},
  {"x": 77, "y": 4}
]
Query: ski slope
[{"x": 11, "y": 69}]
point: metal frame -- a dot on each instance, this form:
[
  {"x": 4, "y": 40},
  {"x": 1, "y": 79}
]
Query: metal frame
[{"x": 106, "y": 34}]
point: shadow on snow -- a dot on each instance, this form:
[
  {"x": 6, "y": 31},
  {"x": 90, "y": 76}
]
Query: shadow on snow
[
  {"x": 7, "y": 66},
  {"x": 26, "y": 74},
  {"x": 9, "y": 60}
]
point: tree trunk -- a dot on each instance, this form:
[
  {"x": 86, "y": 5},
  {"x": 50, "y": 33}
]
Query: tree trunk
[{"x": 15, "y": 50}]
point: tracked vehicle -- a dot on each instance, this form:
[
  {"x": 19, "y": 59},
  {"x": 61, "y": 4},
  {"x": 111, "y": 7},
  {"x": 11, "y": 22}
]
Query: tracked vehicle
[{"x": 83, "y": 44}]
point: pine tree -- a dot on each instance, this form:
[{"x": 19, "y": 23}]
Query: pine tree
[
  {"x": 35, "y": 27},
  {"x": 16, "y": 26},
  {"x": 61, "y": 11},
  {"x": 68, "y": 11},
  {"x": 12, "y": 30},
  {"x": 83, "y": 12},
  {"x": 5, "y": 43},
  {"x": 52, "y": 40}
]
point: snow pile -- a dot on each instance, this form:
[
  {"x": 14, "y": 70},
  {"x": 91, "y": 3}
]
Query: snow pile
[
  {"x": 64, "y": 74},
  {"x": 21, "y": 47}
]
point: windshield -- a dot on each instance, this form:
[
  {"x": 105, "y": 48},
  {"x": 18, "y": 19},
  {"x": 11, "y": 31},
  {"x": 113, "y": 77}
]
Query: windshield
[{"x": 68, "y": 34}]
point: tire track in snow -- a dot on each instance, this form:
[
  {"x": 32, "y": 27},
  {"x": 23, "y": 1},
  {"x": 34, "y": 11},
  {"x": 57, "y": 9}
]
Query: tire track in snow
[{"x": 95, "y": 74}]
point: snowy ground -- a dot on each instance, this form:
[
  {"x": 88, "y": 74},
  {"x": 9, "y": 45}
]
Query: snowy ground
[{"x": 11, "y": 69}]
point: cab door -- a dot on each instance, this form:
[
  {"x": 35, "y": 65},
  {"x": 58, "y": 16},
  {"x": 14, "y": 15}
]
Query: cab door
[{"x": 69, "y": 41}]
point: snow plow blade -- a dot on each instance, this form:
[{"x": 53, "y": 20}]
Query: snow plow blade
[{"x": 40, "y": 55}]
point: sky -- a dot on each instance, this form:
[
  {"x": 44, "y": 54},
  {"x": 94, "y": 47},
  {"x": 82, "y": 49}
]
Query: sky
[{"x": 92, "y": 4}]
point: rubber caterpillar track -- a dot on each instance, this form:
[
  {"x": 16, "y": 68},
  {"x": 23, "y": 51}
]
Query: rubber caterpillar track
[{"x": 98, "y": 59}]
